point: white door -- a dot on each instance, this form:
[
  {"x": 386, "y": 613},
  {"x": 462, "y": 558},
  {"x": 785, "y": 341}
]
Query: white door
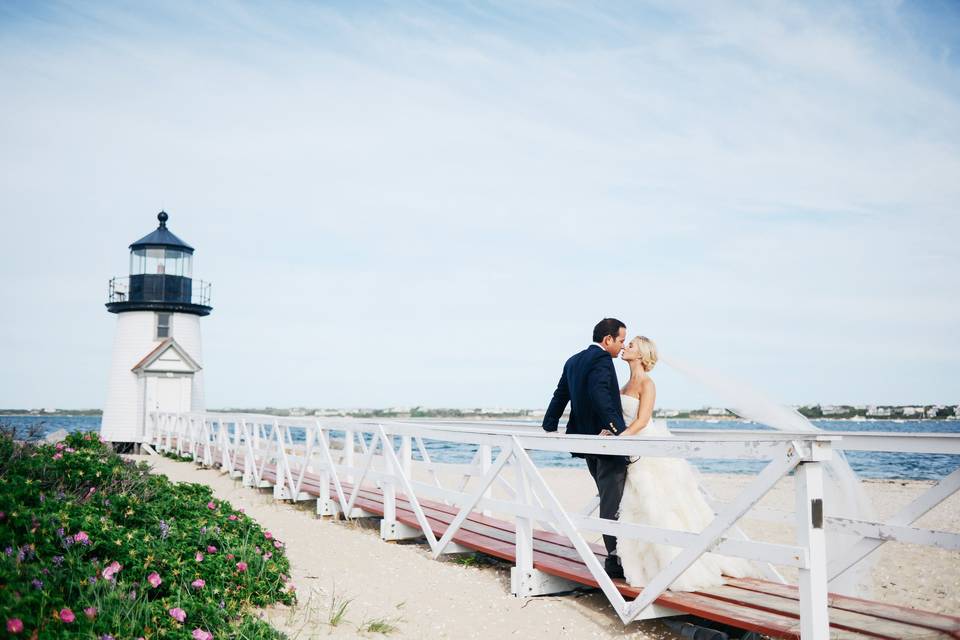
[{"x": 169, "y": 395}]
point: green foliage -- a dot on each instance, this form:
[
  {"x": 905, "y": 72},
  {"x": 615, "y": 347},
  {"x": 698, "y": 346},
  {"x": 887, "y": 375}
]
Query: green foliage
[{"x": 93, "y": 546}]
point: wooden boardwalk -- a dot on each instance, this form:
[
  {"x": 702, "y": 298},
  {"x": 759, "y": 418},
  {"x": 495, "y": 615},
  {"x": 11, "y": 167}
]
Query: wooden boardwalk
[{"x": 766, "y": 607}]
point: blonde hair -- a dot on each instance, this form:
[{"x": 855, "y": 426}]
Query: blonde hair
[{"x": 648, "y": 352}]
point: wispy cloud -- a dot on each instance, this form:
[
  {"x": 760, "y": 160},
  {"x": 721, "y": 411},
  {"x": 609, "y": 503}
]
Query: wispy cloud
[{"x": 413, "y": 203}]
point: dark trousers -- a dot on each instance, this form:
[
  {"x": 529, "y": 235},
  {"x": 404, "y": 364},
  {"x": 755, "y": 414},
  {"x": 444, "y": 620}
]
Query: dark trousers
[{"x": 610, "y": 473}]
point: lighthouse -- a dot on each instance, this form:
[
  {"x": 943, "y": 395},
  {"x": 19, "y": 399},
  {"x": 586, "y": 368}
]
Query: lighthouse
[{"x": 157, "y": 362}]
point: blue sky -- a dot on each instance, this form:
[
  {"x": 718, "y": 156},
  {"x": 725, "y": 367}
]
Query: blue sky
[{"x": 432, "y": 204}]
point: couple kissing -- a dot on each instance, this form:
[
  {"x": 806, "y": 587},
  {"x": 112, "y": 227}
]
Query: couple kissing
[{"x": 655, "y": 491}]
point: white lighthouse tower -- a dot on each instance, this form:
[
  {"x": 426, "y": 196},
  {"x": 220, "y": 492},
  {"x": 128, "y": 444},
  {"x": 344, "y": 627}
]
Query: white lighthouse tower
[{"x": 157, "y": 360}]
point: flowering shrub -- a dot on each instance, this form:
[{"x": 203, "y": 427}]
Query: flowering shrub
[{"x": 93, "y": 546}]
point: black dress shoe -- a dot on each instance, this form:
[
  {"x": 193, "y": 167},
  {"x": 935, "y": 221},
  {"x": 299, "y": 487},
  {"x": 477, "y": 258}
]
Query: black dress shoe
[{"x": 613, "y": 568}]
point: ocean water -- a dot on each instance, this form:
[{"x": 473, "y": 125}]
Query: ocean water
[{"x": 867, "y": 464}]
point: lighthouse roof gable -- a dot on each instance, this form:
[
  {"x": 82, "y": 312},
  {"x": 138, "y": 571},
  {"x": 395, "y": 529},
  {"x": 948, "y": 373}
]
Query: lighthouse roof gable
[{"x": 168, "y": 356}]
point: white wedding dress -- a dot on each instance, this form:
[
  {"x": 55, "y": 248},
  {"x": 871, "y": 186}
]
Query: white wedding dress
[{"x": 665, "y": 493}]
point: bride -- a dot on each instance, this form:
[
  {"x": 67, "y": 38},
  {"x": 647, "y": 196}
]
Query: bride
[{"x": 662, "y": 492}]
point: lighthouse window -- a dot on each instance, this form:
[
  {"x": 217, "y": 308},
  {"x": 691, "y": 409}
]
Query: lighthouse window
[
  {"x": 163, "y": 325},
  {"x": 154, "y": 261},
  {"x": 138, "y": 259}
]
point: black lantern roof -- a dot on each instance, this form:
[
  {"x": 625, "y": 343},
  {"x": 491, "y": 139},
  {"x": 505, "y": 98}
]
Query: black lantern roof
[{"x": 162, "y": 237}]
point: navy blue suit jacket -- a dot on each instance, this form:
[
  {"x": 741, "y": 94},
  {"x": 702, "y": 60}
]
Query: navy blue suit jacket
[{"x": 589, "y": 384}]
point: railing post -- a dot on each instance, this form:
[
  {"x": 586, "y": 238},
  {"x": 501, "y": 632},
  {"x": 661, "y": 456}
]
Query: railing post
[
  {"x": 814, "y": 617},
  {"x": 520, "y": 574},
  {"x": 390, "y": 528},
  {"x": 325, "y": 506},
  {"x": 348, "y": 453},
  {"x": 486, "y": 461},
  {"x": 281, "y": 490}
]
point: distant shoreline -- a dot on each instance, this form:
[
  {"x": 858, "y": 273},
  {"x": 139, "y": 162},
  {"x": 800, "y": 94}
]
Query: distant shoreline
[{"x": 471, "y": 415}]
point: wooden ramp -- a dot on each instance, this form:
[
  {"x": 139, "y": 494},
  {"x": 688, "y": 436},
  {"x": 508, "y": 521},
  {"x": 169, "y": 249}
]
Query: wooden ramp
[{"x": 766, "y": 607}]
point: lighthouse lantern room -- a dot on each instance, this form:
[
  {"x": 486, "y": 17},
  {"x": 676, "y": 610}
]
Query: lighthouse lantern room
[{"x": 157, "y": 360}]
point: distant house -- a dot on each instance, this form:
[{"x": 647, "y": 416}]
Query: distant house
[
  {"x": 667, "y": 413},
  {"x": 932, "y": 412},
  {"x": 909, "y": 412},
  {"x": 956, "y": 411},
  {"x": 879, "y": 412},
  {"x": 716, "y": 411}
]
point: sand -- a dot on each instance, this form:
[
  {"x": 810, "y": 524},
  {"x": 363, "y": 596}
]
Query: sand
[{"x": 401, "y": 586}]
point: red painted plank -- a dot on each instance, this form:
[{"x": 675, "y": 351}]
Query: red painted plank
[{"x": 931, "y": 620}]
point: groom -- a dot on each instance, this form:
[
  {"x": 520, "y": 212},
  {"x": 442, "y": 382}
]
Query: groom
[{"x": 589, "y": 384}]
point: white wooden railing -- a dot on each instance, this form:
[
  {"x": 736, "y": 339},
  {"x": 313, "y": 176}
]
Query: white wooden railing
[
  {"x": 394, "y": 456},
  {"x": 260, "y": 441}
]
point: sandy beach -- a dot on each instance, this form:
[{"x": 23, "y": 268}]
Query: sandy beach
[{"x": 401, "y": 586}]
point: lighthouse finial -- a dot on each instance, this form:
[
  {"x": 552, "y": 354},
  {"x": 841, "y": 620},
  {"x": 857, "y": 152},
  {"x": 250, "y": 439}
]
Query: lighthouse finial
[{"x": 162, "y": 217}]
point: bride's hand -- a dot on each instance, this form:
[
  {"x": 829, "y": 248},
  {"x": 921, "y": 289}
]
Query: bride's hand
[{"x": 606, "y": 432}]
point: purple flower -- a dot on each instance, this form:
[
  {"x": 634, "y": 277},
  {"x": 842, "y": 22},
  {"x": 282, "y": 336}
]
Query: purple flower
[
  {"x": 8, "y": 551},
  {"x": 92, "y": 579},
  {"x": 60, "y": 532},
  {"x": 58, "y": 560},
  {"x": 164, "y": 530},
  {"x": 37, "y": 584},
  {"x": 106, "y": 636}
]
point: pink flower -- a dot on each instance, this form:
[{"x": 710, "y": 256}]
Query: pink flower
[
  {"x": 90, "y": 612},
  {"x": 70, "y": 450},
  {"x": 81, "y": 537},
  {"x": 211, "y": 506},
  {"x": 154, "y": 580},
  {"x": 66, "y": 615},
  {"x": 267, "y": 535},
  {"x": 199, "y": 583},
  {"x": 211, "y": 549},
  {"x": 199, "y": 557},
  {"x": 241, "y": 566},
  {"x": 178, "y": 614},
  {"x": 111, "y": 570},
  {"x": 257, "y": 549},
  {"x": 60, "y": 446},
  {"x": 57, "y": 456},
  {"x": 233, "y": 516},
  {"x": 229, "y": 556},
  {"x": 14, "y": 625},
  {"x": 267, "y": 555},
  {"x": 200, "y": 634},
  {"x": 277, "y": 544}
]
